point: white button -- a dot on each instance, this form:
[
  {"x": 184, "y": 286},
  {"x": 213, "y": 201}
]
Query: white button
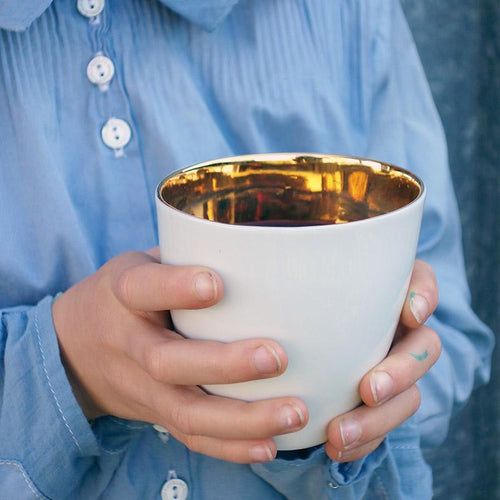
[
  {"x": 174, "y": 489},
  {"x": 90, "y": 8},
  {"x": 100, "y": 70},
  {"x": 116, "y": 133},
  {"x": 163, "y": 433},
  {"x": 159, "y": 428}
]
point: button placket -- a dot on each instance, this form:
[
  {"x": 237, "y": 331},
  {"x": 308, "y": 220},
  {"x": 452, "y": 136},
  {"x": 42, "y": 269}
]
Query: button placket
[
  {"x": 163, "y": 433},
  {"x": 116, "y": 134},
  {"x": 174, "y": 488},
  {"x": 90, "y": 8},
  {"x": 100, "y": 71}
]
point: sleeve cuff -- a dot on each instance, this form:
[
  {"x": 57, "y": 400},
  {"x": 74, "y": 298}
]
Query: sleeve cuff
[
  {"x": 43, "y": 427},
  {"x": 44, "y": 430},
  {"x": 71, "y": 419}
]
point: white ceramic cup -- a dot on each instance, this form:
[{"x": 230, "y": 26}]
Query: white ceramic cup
[{"x": 330, "y": 294}]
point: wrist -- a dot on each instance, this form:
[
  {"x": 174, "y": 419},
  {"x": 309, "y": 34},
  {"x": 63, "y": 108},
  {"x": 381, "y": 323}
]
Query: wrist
[{"x": 89, "y": 409}]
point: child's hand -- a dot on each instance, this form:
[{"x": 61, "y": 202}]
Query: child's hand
[
  {"x": 389, "y": 391},
  {"x": 122, "y": 359}
]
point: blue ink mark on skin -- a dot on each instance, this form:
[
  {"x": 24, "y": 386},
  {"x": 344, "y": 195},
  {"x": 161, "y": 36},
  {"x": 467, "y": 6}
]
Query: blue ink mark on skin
[{"x": 420, "y": 357}]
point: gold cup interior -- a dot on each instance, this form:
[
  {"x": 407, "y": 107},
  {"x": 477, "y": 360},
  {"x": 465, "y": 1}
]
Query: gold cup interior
[{"x": 290, "y": 190}]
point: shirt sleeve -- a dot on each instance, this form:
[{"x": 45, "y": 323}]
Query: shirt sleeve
[
  {"x": 38, "y": 409},
  {"x": 404, "y": 113},
  {"x": 17, "y": 15}
]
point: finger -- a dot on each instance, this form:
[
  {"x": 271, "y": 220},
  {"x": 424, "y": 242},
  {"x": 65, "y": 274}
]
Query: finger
[
  {"x": 365, "y": 424},
  {"x": 151, "y": 286},
  {"x": 422, "y": 297},
  {"x": 355, "y": 453},
  {"x": 238, "y": 451},
  {"x": 169, "y": 358},
  {"x": 155, "y": 253},
  {"x": 408, "y": 360},
  {"x": 195, "y": 413}
]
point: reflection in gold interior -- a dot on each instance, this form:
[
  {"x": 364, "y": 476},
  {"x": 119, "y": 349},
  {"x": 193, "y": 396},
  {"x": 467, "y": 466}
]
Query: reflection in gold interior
[
  {"x": 357, "y": 184},
  {"x": 290, "y": 190}
]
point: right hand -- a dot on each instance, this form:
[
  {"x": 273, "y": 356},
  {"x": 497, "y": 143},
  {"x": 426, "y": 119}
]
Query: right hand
[{"x": 123, "y": 360}]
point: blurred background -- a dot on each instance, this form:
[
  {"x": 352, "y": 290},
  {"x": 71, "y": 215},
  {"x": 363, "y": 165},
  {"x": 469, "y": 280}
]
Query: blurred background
[{"x": 459, "y": 44}]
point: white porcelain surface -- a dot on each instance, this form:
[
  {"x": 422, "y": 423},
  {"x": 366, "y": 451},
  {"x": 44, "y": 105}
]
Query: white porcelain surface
[{"x": 331, "y": 295}]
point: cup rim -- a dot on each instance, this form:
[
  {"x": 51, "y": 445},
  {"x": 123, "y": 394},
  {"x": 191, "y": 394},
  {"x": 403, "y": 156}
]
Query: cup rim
[{"x": 382, "y": 165}]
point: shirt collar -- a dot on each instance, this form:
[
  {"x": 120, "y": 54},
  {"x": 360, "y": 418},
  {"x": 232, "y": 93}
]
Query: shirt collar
[
  {"x": 208, "y": 14},
  {"x": 17, "y": 16}
]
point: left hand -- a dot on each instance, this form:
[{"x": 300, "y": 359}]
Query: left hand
[{"x": 389, "y": 391}]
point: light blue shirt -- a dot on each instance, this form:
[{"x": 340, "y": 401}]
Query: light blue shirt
[{"x": 185, "y": 81}]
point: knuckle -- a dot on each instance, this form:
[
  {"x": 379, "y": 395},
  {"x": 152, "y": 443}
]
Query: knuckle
[
  {"x": 154, "y": 364},
  {"x": 192, "y": 442},
  {"x": 427, "y": 282},
  {"x": 435, "y": 344},
  {"x": 182, "y": 419},
  {"x": 122, "y": 286},
  {"x": 438, "y": 345},
  {"x": 415, "y": 398}
]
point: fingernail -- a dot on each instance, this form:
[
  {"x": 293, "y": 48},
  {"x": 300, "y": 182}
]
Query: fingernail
[
  {"x": 345, "y": 454},
  {"x": 205, "y": 286},
  {"x": 350, "y": 431},
  {"x": 266, "y": 360},
  {"x": 381, "y": 384},
  {"x": 419, "y": 307},
  {"x": 261, "y": 453},
  {"x": 291, "y": 417}
]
